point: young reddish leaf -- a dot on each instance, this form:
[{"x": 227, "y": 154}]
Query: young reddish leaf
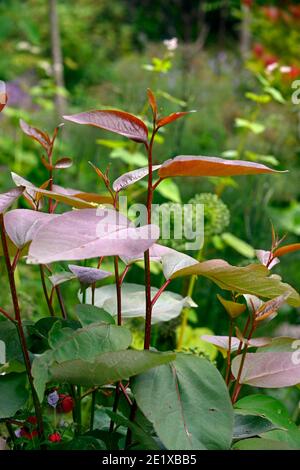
[
  {"x": 62, "y": 163},
  {"x": 3, "y": 99},
  {"x": 233, "y": 309},
  {"x": 210, "y": 166},
  {"x": 152, "y": 102},
  {"x": 78, "y": 202},
  {"x": 87, "y": 275},
  {"x": 268, "y": 370},
  {"x": 112, "y": 120},
  {"x": 286, "y": 249},
  {"x": 21, "y": 225},
  {"x": 7, "y": 199},
  {"x": 253, "y": 279},
  {"x": 87, "y": 234},
  {"x": 41, "y": 137},
  {"x": 172, "y": 117},
  {"x": 131, "y": 177},
  {"x": 270, "y": 308},
  {"x": 222, "y": 342}
]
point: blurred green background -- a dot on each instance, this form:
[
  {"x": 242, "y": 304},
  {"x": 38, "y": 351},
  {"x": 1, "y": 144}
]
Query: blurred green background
[{"x": 234, "y": 62}]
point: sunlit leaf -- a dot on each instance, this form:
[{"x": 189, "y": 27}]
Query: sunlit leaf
[
  {"x": 131, "y": 177},
  {"x": 234, "y": 309},
  {"x": 210, "y": 166},
  {"x": 152, "y": 102},
  {"x": 89, "y": 233},
  {"x": 7, "y": 199},
  {"x": 253, "y": 279},
  {"x": 283, "y": 250},
  {"x": 62, "y": 163},
  {"x": 172, "y": 117}
]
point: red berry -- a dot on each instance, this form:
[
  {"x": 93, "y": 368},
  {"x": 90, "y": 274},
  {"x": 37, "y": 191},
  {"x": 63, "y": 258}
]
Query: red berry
[
  {"x": 54, "y": 437},
  {"x": 270, "y": 59},
  {"x": 32, "y": 420},
  {"x": 28, "y": 434},
  {"x": 66, "y": 403},
  {"x": 258, "y": 49}
]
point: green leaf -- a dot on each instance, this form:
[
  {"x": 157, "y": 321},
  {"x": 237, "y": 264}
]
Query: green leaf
[
  {"x": 13, "y": 394},
  {"x": 261, "y": 99},
  {"x": 238, "y": 245},
  {"x": 249, "y": 426},
  {"x": 253, "y": 279},
  {"x": 9, "y": 335},
  {"x": 88, "y": 314},
  {"x": 169, "y": 190},
  {"x": 108, "y": 367},
  {"x": 138, "y": 433},
  {"x": 188, "y": 404},
  {"x": 135, "y": 158},
  {"x": 290, "y": 437},
  {"x": 267, "y": 407},
  {"x": 260, "y": 444},
  {"x": 255, "y": 127},
  {"x": 276, "y": 95}
]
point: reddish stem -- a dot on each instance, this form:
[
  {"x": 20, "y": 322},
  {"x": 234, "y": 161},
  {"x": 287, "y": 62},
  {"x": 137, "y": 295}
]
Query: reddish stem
[
  {"x": 7, "y": 315},
  {"x": 228, "y": 370},
  {"x": 48, "y": 300},
  {"x": 238, "y": 385},
  {"x": 160, "y": 291},
  {"x": 118, "y": 289}
]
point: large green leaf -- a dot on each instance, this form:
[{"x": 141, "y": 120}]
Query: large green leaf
[
  {"x": 13, "y": 394},
  {"x": 84, "y": 343},
  {"x": 260, "y": 444},
  {"x": 246, "y": 426},
  {"x": 108, "y": 367},
  {"x": 253, "y": 279},
  {"x": 188, "y": 404}
]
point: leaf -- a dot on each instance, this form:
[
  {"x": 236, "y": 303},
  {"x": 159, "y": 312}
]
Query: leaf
[
  {"x": 189, "y": 383},
  {"x": 238, "y": 245},
  {"x": 88, "y": 314},
  {"x": 89, "y": 233},
  {"x": 13, "y": 394},
  {"x": 172, "y": 117},
  {"x": 21, "y": 225},
  {"x": 260, "y": 444},
  {"x": 262, "y": 99},
  {"x": 283, "y": 250},
  {"x": 83, "y": 344},
  {"x": 210, "y": 166},
  {"x": 268, "y": 370},
  {"x": 33, "y": 191},
  {"x": 87, "y": 275},
  {"x": 233, "y": 309},
  {"x": 152, "y": 102},
  {"x": 255, "y": 127},
  {"x": 267, "y": 407},
  {"x": 108, "y": 367},
  {"x": 60, "y": 278},
  {"x": 169, "y": 190},
  {"x": 222, "y": 342},
  {"x": 250, "y": 426},
  {"x": 138, "y": 433},
  {"x": 252, "y": 279},
  {"x": 265, "y": 256},
  {"x": 290, "y": 437},
  {"x": 112, "y": 120},
  {"x": 282, "y": 344},
  {"x": 131, "y": 177},
  {"x": 62, "y": 163},
  {"x": 83, "y": 196},
  {"x": 268, "y": 309},
  {"x": 36, "y": 134},
  {"x": 7, "y": 199},
  {"x": 168, "y": 305}
]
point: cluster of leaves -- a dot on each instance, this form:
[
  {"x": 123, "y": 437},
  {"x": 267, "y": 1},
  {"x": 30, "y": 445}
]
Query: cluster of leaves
[{"x": 173, "y": 400}]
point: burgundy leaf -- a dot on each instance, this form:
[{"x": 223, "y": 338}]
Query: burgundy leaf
[
  {"x": 87, "y": 275},
  {"x": 172, "y": 117},
  {"x": 7, "y": 199},
  {"x": 21, "y": 225},
  {"x": 131, "y": 177},
  {"x": 187, "y": 165},
  {"x": 41, "y": 137},
  {"x": 112, "y": 120},
  {"x": 64, "y": 162}
]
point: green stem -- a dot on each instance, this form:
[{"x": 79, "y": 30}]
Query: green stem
[{"x": 93, "y": 406}]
